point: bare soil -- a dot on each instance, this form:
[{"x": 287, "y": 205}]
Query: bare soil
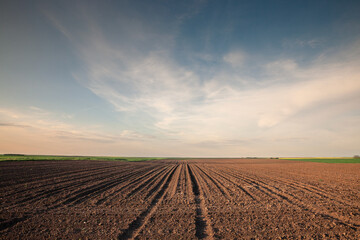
[{"x": 179, "y": 199}]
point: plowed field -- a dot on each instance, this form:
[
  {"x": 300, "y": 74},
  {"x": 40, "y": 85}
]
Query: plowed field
[{"x": 179, "y": 199}]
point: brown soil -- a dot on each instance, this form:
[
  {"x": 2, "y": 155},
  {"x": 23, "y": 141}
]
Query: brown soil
[{"x": 179, "y": 199}]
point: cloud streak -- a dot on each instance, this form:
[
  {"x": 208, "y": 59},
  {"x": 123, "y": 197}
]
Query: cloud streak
[
  {"x": 13, "y": 125},
  {"x": 40, "y": 123},
  {"x": 181, "y": 104}
]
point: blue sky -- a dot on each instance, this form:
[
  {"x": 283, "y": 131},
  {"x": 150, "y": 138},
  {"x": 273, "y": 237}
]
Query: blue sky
[{"x": 180, "y": 78}]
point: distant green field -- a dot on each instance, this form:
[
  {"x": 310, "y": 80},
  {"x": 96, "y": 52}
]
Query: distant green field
[
  {"x": 53, "y": 158},
  {"x": 326, "y": 160}
]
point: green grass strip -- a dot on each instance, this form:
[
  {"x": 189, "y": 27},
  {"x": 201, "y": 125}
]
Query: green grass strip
[{"x": 61, "y": 158}]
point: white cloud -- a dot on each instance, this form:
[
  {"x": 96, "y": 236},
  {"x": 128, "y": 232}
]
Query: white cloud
[
  {"x": 235, "y": 58},
  {"x": 217, "y": 109},
  {"x": 282, "y": 68},
  {"x": 45, "y": 124},
  {"x": 228, "y": 107},
  {"x": 151, "y": 84},
  {"x": 312, "y": 43}
]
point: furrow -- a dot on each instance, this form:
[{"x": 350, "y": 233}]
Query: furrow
[
  {"x": 155, "y": 179},
  {"x": 138, "y": 224},
  {"x": 12, "y": 222},
  {"x": 301, "y": 205},
  {"x": 44, "y": 194},
  {"x": 174, "y": 184},
  {"x": 132, "y": 180},
  {"x": 183, "y": 185},
  {"x": 312, "y": 190},
  {"x": 59, "y": 189},
  {"x": 56, "y": 174},
  {"x": 39, "y": 184},
  {"x": 202, "y": 222},
  {"x": 180, "y": 180},
  {"x": 222, "y": 175},
  {"x": 251, "y": 184},
  {"x": 95, "y": 190},
  {"x": 218, "y": 184},
  {"x": 156, "y": 184},
  {"x": 188, "y": 186}
]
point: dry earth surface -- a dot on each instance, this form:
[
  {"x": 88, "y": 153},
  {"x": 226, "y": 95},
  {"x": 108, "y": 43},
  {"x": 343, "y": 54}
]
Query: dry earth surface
[{"x": 179, "y": 199}]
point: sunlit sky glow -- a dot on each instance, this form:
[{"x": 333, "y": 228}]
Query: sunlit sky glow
[{"x": 180, "y": 78}]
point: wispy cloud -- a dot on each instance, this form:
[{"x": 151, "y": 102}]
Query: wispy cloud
[
  {"x": 151, "y": 83},
  {"x": 177, "y": 103},
  {"x": 47, "y": 124},
  {"x": 235, "y": 58},
  {"x": 291, "y": 43},
  {"x": 216, "y": 109},
  {"x": 6, "y": 124}
]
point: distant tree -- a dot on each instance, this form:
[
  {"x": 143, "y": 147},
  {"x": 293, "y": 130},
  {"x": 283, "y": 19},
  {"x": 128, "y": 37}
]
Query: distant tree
[{"x": 356, "y": 156}]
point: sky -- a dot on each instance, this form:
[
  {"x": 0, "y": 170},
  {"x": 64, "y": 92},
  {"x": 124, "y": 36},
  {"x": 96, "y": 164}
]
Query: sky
[{"x": 180, "y": 78}]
